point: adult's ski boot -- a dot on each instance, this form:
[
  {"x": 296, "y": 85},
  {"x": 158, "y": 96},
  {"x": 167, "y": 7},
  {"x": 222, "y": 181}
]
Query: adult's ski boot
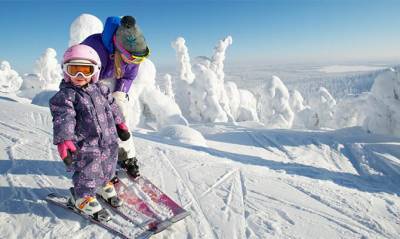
[{"x": 129, "y": 164}]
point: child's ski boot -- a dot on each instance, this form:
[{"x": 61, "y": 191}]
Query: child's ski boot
[
  {"x": 109, "y": 194},
  {"x": 90, "y": 206}
]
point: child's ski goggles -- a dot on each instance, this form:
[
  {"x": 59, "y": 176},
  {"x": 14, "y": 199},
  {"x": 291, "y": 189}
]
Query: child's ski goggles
[
  {"x": 128, "y": 57},
  {"x": 73, "y": 69}
]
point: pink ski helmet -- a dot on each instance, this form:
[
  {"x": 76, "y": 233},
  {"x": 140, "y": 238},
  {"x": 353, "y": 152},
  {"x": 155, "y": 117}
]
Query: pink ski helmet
[{"x": 82, "y": 52}]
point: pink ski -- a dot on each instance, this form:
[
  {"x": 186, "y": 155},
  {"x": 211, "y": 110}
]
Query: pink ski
[
  {"x": 131, "y": 202},
  {"x": 158, "y": 197}
]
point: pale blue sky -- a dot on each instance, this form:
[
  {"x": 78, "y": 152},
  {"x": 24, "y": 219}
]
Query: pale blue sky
[{"x": 263, "y": 31}]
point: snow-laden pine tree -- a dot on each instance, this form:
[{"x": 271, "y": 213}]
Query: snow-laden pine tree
[
  {"x": 10, "y": 81},
  {"x": 322, "y": 103},
  {"x": 273, "y": 104},
  {"x": 82, "y": 27},
  {"x": 48, "y": 70},
  {"x": 383, "y": 115}
]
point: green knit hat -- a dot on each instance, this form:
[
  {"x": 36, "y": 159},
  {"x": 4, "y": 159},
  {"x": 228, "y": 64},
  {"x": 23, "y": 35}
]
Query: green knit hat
[{"x": 131, "y": 38}]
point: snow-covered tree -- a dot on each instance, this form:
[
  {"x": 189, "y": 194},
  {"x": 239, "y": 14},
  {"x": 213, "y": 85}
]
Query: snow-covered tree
[
  {"x": 10, "y": 81},
  {"x": 296, "y": 101},
  {"x": 247, "y": 110},
  {"x": 205, "y": 94},
  {"x": 242, "y": 103},
  {"x": 182, "y": 54},
  {"x": 147, "y": 104},
  {"x": 82, "y": 27},
  {"x": 168, "y": 90},
  {"x": 304, "y": 117},
  {"x": 384, "y": 111},
  {"x": 233, "y": 94},
  {"x": 322, "y": 103},
  {"x": 352, "y": 110},
  {"x": 273, "y": 104},
  {"x": 48, "y": 70},
  {"x": 186, "y": 76},
  {"x": 202, "y": 92},
  {"x": 217, "y": 65}
]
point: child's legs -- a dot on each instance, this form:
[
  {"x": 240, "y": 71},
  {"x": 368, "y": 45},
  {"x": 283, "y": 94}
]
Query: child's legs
[
  {"x": 88, "y": 173},
  {"x": 109, "y": 162}
]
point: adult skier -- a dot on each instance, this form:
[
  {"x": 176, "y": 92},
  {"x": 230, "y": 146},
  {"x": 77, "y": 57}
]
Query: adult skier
[{"x": 121, "y": 47}]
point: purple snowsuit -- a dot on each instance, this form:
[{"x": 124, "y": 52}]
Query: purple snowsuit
[{"x": 87, "y": 116}]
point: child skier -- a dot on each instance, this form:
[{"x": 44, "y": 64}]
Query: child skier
[{"x": 87, "y": 123}]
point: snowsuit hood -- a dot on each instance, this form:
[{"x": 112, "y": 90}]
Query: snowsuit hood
[{"x": 110, "y": 28}]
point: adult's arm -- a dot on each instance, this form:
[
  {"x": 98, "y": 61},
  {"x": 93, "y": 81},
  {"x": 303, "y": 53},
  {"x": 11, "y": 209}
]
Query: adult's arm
[
  {"x": 118, "y": 117},
  {"x": 130, "y": 73}
]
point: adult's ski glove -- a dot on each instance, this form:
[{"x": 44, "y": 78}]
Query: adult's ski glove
[
  {"x": 123, "y": 132},
  {"x": 65, "y": 149}
]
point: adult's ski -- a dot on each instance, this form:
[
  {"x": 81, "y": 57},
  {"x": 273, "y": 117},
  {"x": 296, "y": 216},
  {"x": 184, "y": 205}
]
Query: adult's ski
[
  {"x": 136, "y": 210},
  {"x": 160, "y": 199}
]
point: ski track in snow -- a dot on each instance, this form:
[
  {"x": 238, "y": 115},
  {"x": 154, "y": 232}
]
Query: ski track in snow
[
  {"x": 230, "y": 193},
  {"x": 194, "y": 200}
]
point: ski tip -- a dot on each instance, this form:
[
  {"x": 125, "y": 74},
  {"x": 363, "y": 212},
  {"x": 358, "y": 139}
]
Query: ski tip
[
  {"x": 179, "y": 216},
  {"x": 157, "y": 227},
  {"x": 145, "y": 235},
  {"x": 51, "y": 195}
]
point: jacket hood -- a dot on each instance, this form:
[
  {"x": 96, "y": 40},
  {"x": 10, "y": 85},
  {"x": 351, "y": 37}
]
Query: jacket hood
[
  {"x": 110, "y": 27},
  {"x": 64, "y": 84}
]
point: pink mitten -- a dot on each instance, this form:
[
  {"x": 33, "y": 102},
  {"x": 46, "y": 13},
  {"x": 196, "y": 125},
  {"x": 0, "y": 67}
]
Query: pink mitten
[{"x": 65, "y": 149}]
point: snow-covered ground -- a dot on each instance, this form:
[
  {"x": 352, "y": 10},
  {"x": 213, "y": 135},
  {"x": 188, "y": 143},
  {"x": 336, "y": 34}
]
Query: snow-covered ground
[
  {"x": 247, "y": 182},
  {"x": 344, "y": 68}
]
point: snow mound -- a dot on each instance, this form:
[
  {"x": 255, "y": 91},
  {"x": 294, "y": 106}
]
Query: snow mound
[
  {"x": 183, "y": 134},
  {"x": 10, "y": 81},
  {"x": 31, "y": 86},
  {"x": 84, "y": 26},
  {"x": 43, "y": 98}
]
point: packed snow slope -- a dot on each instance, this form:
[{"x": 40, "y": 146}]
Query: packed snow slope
[{"x": 248, "y": 182}]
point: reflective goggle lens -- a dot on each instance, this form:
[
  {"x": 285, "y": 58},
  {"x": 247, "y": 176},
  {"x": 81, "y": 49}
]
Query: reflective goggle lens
[
  {"x": 128, "y": 57},
  {"x": 87, "y": 70},
  {"x": 132, "y": 59}
]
